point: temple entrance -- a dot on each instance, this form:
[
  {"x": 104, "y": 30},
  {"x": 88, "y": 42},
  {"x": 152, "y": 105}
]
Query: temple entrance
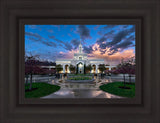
[
  {"x": 94, "y": 68},
  {"x": 66, "y": 68},
  {"x": 80, "y": 68}
]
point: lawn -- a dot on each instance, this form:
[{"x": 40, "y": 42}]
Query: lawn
[
  {"x": 80, "y": 78},
  {"x": 40, "y": 90},
  {"x": 113, "y": 88}
]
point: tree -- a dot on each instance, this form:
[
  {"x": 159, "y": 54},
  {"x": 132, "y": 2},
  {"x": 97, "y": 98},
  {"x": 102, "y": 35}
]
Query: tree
[
  {"x": 126, "y": 67},
  {"x": 59, "y": 68},
  {"x": 88, "y": 68},
  {"x": 122, "y": 69},
  {"x": 72, "y": 68},
  {"x": 49, "y": 71},
  {"x": 131, "y": 67},
  {"x": 102, "y": 68},
  {"x": 32, "y": 67}
]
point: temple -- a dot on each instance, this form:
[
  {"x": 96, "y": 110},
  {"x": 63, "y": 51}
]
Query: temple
[{"x": 80, "y": 60}]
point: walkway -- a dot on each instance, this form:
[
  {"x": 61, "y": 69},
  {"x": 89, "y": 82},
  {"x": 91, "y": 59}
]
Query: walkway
[{"x": 80, "y": 90}]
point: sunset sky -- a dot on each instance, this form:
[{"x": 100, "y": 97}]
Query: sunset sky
[{"x": 108, "y": 42}]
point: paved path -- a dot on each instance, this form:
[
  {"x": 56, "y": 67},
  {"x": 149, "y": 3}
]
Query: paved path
[
  {"x": 81, "y": 93},
  {"x": 80, "y": 90}
]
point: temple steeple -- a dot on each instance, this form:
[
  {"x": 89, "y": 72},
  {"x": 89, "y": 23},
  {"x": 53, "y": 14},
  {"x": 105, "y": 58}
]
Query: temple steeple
[{"x": 80, "y": 47}]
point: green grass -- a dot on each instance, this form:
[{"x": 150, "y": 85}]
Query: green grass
[
  {"x": 80, "y": 78},
  {"x": 43, "y": 89},
  {"x": 113, "y": 88}
]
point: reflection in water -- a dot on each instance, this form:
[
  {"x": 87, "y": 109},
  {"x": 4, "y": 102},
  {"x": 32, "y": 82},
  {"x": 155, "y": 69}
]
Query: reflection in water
[
  {"x": 81, "y": 90},
  {"x": 64, "y": 92},
  {"x": 80, "y": 93},
  {"x": 53, "y": 81}
]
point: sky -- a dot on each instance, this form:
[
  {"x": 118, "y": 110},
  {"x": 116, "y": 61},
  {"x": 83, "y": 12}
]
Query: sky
[{"x": 108, "y": 42}]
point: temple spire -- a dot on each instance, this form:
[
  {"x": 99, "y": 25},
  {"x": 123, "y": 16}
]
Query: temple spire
[
  {"x": 80, "y": 41},
  {"x": 80, "y": 47}
]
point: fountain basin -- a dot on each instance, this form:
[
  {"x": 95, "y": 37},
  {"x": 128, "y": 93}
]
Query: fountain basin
[{"x": 80, "y": 81}]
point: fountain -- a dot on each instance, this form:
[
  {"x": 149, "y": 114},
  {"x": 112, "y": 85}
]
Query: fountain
[{"x": 80, "y": 78}]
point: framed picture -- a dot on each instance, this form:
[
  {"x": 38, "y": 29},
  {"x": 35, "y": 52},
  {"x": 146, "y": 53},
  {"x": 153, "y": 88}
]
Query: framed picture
[
  {"x": 80, "y": 62},
  {"x": 64, "y": 68}
]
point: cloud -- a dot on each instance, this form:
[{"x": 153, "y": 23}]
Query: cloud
[
  {"x": 50, "y": 31},
  {"x": 118, "y": 37},
  {"x": 35, "y": 27},
  {"x": 84, "y": 32},
  {"x": 96, "y": 27},
  {"x": 102, "y": 39},
  {"x": 87, "y": 49},
  {"x": 114, "y": 58},
  {"x": 126, "y": 43},
  {"x": 121, "y": 40},
  {"x": 65, "y": 45},
  {"x": 37, "y": 38},
  {"x": 69, "y": 34},
  {"x": 50, "y": 44},
  {"x": 66, "y": 55},
  {"x": 75, "y": 43},
  {"x": 109, "y": 26},
  {"x": 36, "y": 35},
  {"x": 54, "y": 38},
  {"x": 109, "y": 34},
  {"x": 103, "y": 45},
  {"x": 95, "y": 52}
]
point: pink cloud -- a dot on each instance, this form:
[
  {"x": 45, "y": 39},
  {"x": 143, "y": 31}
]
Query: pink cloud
[{"x": 109, "y": 59}]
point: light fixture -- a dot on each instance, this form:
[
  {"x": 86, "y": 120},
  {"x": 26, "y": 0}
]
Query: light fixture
[{"x": 80, "y": 65}]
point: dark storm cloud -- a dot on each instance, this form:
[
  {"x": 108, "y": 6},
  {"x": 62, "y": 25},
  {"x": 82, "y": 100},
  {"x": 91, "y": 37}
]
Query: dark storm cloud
[
  {"x": 109, "y": 26},
  {"x": 125, "y": 26},
  {"x": 65, "y": 45},
  {"x": 34, "y": 39},
  {"x": 131, "y": 38},
  {"x": 84, "y": 32},
  {"x": 123, "y": 45},
  {"x": 103, "y": 45},
  {"x": 75, "y": 43},
  {"x": 37, "y": 38},
  {"x": 102, "y": 39},
  {"x": 123, "y": 39},
  {"x": 120, "y": 36},
  {"x": 33, "y": 35},
  {"x": 50, "y": 44},
  {"x": 110, "y": 33},
  {"x": 102, "y": 51},
  {"x": 87, "y": 49},
  {"x": 107, "y": 35},
  {"x": 54, "y": 38}
]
